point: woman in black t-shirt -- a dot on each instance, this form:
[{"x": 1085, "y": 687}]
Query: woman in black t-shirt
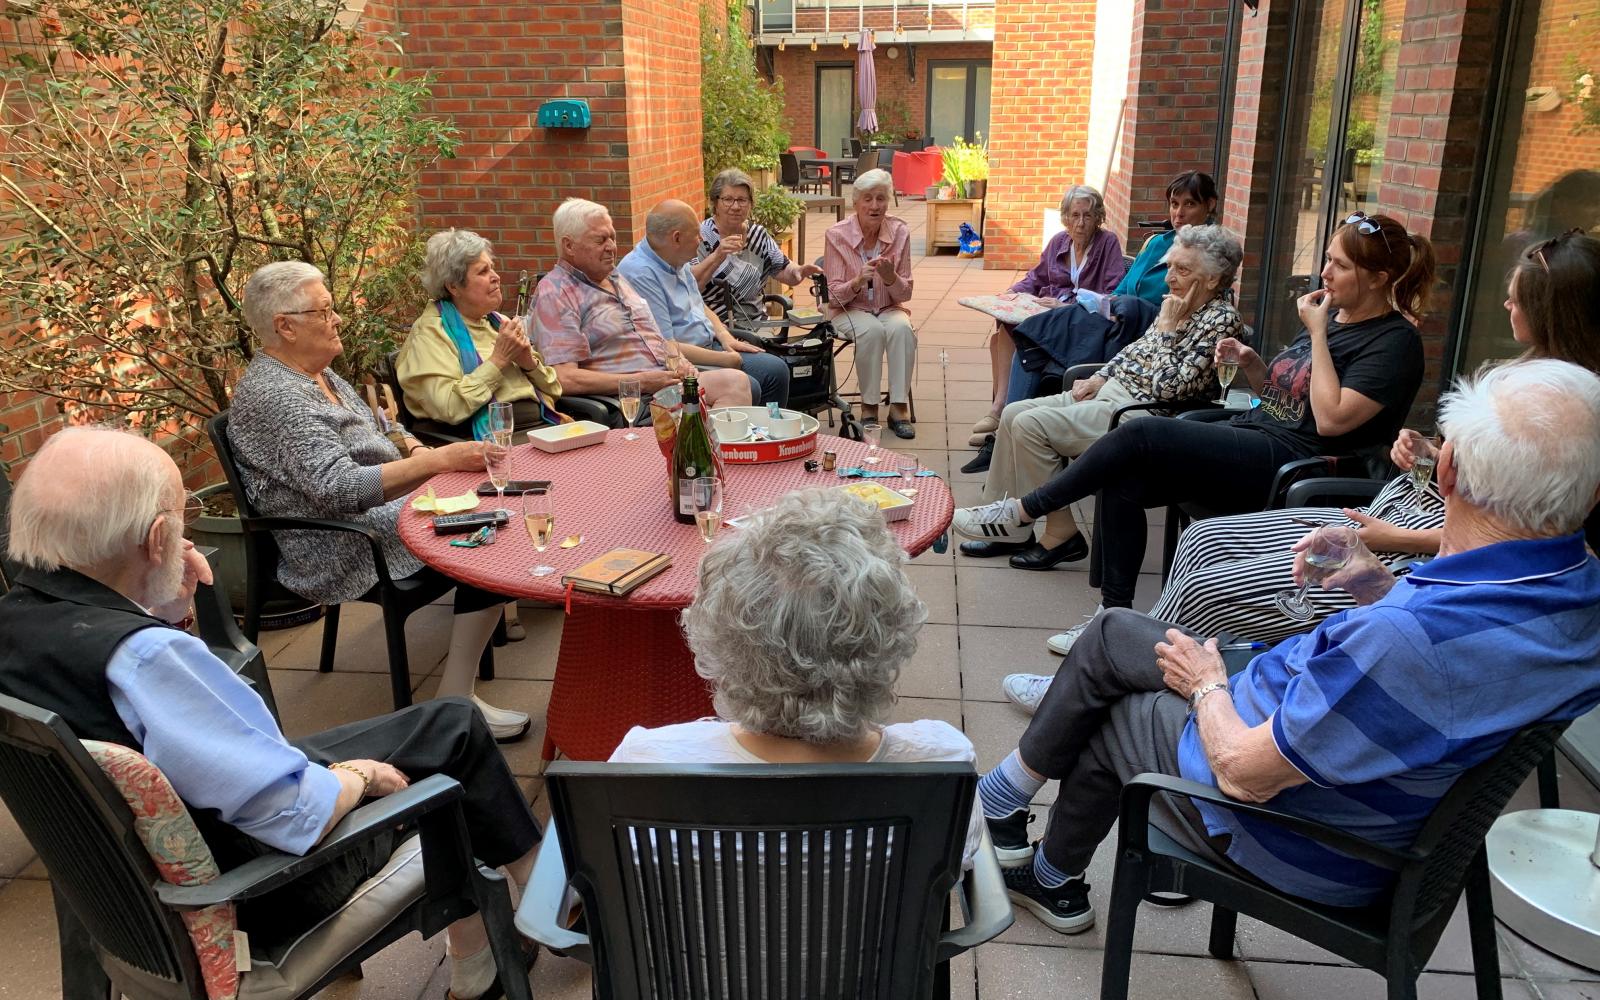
[{"x": 1345, "y": 383}]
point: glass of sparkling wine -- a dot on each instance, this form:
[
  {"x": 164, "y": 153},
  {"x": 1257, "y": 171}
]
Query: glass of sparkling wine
[
  {"x": 1227, "y": 368},
  {"x": 539, "y": 517},
  {"x": 497, "y": 462},
  {"x": 708, "y": 506},
  {"x": 1424, "y": 459},
  {"x": 628, "y": 397},
  {"x": 871, "y": 434},
  {"x": 1332, "y": 546}
]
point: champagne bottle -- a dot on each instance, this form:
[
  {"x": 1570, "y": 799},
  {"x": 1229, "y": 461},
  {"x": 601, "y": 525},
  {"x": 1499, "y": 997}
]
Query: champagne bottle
[{"x": 691, "y": 453}]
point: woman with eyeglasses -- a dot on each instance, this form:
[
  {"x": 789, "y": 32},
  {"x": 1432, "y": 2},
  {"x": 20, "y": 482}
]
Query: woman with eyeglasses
[
  {"x": 1344, "y": 385},
  {"x": 1227, "y": 569},
  {"x": 737, "y": 256}
]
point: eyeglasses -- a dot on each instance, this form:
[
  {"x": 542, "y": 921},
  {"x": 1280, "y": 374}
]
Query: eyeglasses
[
  {"x": 191, "y": 510},
  {"x": 734, "y": 202},
  {"x": 1364, "y": 224},
  {"x": 1538, "y": 252},
  {"x": 326, "y": 313}
]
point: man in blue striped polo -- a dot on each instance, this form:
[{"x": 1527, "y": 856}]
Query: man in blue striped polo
[{"x": 1363, "y": 723}]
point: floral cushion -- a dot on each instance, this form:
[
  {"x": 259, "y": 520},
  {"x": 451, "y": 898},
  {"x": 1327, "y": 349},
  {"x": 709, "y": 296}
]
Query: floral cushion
[{"x": 180, "y": 855}]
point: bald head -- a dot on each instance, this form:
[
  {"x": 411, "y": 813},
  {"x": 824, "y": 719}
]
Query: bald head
[
  {"x": 673, "y": 231},
  {"x": 89, "y": 497}
]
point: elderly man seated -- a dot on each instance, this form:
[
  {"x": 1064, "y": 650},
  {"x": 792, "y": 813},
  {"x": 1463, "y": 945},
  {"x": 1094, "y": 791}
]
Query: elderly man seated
[
  {"x": 595, "y": 330},
  {"x": 98, "y": 520},
  {"x": 1363, "y": 723},
  {"x": 658, "y": 269}
]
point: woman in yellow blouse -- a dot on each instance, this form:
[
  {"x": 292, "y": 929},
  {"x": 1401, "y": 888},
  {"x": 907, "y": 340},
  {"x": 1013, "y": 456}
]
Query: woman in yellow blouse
[{"x": 461, "y": 354}]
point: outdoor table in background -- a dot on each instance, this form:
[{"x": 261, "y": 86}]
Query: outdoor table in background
[
  {"x": 835, "y": 176},
  {"x": 623, "y": 661}
]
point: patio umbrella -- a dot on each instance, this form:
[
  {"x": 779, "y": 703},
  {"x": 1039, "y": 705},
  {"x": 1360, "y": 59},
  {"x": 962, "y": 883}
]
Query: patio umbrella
[{"x": 866, "y": 85}]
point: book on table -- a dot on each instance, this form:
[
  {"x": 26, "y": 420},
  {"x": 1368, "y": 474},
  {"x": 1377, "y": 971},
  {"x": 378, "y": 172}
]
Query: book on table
[{"x": 618, "y": 571}]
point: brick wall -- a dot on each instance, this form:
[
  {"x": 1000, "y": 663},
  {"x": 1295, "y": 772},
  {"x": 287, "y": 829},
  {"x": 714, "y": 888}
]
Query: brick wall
[
  {"x": 1039, "y": 101},
  {"x": 1548, "y": 144},
  {"x": 796, "y": 66},
  {"x": 1170, "y": 120},
  {"x": 662, "y": 58}
]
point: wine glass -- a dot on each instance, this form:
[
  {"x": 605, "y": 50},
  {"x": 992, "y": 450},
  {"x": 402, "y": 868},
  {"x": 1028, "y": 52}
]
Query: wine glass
[
  {"x": 497, "y": 461},
  {"x": 871, "y": 434},
  {"x": 628, "y": 397},
  {"x": 539, "y": 518},
  {"x": 708, "y": 506},
  {"x": 1331, "y": 547},
  {"x": 1227, "y": 368},
  {"x": 908, "y": 465},
  {"x": 1424, "y": 459},
  {"x": 500, "y": 418}
]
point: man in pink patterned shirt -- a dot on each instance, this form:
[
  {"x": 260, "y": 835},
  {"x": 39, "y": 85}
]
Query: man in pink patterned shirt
[{"x": 593, "y": 328}]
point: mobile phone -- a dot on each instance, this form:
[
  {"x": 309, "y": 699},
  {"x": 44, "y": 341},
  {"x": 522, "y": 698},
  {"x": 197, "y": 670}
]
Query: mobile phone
[{"x": 516, "y": 487}]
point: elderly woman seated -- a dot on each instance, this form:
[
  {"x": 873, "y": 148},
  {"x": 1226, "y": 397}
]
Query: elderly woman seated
[
  {"x": 867, "y": 260},
  {"x": 1083, "y": 256},
  {"x": 306, "y": 446},
  {"x": 737, "y": 256},
  {"x": 1172, "y": 361},
  {"x": 462, "y": 355},
  {"x": 803, "y": 621}
]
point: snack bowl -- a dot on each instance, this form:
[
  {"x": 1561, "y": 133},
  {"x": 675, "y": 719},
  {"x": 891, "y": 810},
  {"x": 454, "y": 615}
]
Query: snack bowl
[{"x": 894, "y": 505}]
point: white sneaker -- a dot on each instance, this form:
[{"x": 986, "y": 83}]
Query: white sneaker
[
  {"x": 1000, "y": 521},
  {"x": 1062, "y": 642},
  {"x": 1026, "y": 690},
  {"x": 507, "y": 726}
]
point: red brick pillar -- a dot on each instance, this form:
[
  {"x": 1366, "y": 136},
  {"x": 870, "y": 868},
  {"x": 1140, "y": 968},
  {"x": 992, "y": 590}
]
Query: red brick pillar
[
  {"x": 661, "y": 57},
  {"x": 1038, "y": 120}
]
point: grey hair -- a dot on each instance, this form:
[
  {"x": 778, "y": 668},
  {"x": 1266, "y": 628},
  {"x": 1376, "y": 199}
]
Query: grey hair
[
  {"x": 450, "y": 255},
  {"x": 88, "y": 495},
  {"x": 804, "y": 619},
  {"x": 732, "y": 177},
  {"x": 1220, "y": 250},
  {"x": 1524, "y": 436},
  {"x": 275, "y": 289},
  {"x": 573, "y": 218},
  {"x": 1083, "y": 192},
  {"x": 872, "y": 180}
]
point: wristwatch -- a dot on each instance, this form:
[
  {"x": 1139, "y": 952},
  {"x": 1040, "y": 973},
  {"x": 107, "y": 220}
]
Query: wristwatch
[{"x": 1203, "y": 690}]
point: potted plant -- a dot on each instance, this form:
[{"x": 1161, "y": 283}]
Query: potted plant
[
  {"x": 974, "y": 159},
  {"x": 776, "y": 211},
  {"x": 954, "y": 179},
  {"x": 741, "y": 115}
]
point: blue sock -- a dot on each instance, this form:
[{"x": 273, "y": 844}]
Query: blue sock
[
  {"x": 1048, "y": 874},
  {"x": 1007, "y": 788}
]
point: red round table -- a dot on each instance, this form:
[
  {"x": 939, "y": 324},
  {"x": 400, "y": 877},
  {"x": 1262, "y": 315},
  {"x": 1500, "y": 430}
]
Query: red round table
[{"x": 623, "y": 662}]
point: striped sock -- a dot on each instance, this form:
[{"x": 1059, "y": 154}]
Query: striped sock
[
  {"x": 1007, "y": 788},
  {"x": 1048, "y": 874}
]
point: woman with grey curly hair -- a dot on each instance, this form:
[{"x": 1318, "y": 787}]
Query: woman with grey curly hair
[
  {"x": 462, "y": 354},
  {"x": 802, "y": 624}
]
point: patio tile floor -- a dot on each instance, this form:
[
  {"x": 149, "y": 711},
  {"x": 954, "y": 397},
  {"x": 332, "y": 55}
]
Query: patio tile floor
[{"x": 985, "y": 621}]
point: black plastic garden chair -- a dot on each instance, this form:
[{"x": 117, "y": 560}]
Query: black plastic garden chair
[{"x": 1393, "y": 937}]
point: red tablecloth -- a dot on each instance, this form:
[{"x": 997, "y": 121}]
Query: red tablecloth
[{"x": 622, "y": 661}]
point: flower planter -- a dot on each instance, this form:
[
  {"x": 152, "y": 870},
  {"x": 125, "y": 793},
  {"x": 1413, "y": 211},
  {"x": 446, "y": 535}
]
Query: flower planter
[{"x": 283, "y": 609}]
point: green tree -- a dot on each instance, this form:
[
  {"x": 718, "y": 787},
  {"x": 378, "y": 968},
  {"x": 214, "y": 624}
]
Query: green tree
[
  {"x": 155, "y": 152},
  {"x": 741, "y": 114}
]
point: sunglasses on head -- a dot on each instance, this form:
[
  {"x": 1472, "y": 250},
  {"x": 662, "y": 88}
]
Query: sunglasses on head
[
  {"x": 1364, "y": 224},
  {"x": 1538, "y": 252}
]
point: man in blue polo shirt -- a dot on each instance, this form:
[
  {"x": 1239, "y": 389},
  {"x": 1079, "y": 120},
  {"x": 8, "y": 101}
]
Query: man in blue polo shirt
[
  {"x": 1365, "y": 722},
  {"x": 658, "y": 269}
]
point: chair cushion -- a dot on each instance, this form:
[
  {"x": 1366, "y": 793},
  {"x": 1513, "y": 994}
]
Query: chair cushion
[
  {"x": 180, "y": 855},
  {"x": 374, "y": 904}
]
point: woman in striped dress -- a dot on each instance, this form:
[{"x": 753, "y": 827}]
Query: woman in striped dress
[
  {"x": 1227, "y": 569},
  {"x": 737, "y": 256}
]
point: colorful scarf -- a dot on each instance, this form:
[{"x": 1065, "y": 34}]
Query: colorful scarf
[{"x": 456, "y": 328}]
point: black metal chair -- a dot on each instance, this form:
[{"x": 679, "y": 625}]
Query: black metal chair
[
  {"x": 1393, "y": 937},
  {"x": 398, "y": 598},
  {"x": 792, "y": 177},
  {"x": 864, "y": 162},
  {"x": 792, "y": 880},
  {"x": 121, "y": 924}
]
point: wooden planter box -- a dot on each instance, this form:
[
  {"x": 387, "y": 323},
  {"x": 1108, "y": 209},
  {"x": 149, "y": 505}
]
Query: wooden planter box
[{"x": 945, "y": 219}]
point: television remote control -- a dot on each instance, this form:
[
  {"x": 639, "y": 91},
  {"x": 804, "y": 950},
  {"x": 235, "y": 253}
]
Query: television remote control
[{"x": 455, "y": 524}]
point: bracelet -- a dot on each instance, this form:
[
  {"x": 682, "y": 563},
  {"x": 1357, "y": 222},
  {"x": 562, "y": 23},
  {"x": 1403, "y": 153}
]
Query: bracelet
[
  {"x": 346, "y": 766},
  {"x": 1202, "y": 691}
]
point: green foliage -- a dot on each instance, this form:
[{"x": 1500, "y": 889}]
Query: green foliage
[
  {"x": 1371, "y": 77},
  {"x": 157, "y": 152},
  {"x": 894, "y": 123},
  {"x": 966, "y": 161},
  {"x": 741, "y": 114},
  {"x": 776, "y": 210}
]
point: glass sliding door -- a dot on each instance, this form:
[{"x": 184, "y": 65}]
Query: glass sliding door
[
  {"x": 958, "y": 100},
  {"x": 835, "y": 101}
]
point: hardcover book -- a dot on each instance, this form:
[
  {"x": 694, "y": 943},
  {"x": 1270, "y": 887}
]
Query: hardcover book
[{"x": 618, "y": 571}]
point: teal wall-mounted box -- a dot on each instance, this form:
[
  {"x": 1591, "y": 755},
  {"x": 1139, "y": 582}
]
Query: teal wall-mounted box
[{"x": 564, "y": 113}]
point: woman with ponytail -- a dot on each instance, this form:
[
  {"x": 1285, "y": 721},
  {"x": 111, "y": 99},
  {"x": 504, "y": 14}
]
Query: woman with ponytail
[{"x": 1344, "y": 385}]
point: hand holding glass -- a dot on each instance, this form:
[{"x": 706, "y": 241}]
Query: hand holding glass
[
  {"x": 708, "y": 506},
  {"x": 628, "y": 397},
  {"x": 1330, "y": 549},
  {"x": 497, "y": 462},
  {"x": 1424, "y": 458},
  {"x": 1227, "y": 368}
]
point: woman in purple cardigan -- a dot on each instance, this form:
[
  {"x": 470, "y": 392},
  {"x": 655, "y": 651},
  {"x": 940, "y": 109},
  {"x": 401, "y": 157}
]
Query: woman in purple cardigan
[{"x": 1082, "y": 255}]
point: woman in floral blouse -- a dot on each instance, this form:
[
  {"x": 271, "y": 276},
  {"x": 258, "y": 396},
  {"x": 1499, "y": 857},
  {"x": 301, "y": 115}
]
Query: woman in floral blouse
[{"x": 1172, "y": 361}]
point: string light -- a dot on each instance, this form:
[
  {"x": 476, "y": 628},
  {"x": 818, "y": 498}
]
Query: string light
[
  {"x": 813, "y": 44},
  {"x": 844, "y": 41},
  {"x": 781, "y": 44}
]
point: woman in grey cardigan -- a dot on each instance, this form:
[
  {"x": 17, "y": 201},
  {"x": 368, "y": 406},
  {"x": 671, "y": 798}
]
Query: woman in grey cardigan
[{"x": 307, "y": 446}]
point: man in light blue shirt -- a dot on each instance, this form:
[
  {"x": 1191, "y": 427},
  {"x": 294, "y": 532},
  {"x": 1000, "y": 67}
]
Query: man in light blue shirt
[{"x": 658, "y": 269}]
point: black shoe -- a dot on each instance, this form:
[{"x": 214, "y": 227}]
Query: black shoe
[
  {"x": 1064, "y": 909},
  {"x": 902, "y": 429},
  {"x": 1010, "y": 838},
  {"x": 985, "y": 549},
  {"x": 1036, "y": 556},
  {"x": 980, "y": 461}
]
